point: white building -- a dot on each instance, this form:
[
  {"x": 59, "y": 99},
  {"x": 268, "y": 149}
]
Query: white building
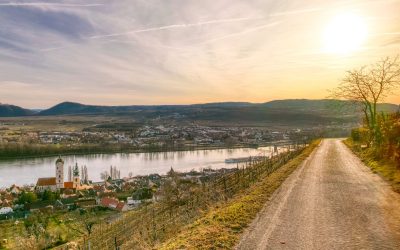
[
  {"x": 6, "y": 210},
  {"x": 49, "y": 183},
  {"x": 59, "y": 173},
  {"x": 52, "y": 183}
]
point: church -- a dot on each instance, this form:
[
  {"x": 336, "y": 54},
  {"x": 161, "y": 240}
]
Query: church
[{"x": 57, "y": 183}]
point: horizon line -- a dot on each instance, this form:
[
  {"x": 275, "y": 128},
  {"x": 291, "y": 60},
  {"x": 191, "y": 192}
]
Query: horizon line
[{"x": 188, "y": 104}]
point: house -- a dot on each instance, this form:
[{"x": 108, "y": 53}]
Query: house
[
  {"x": 132, "y": 202},
  {"x": 99, "y": 188},
  {"x": 15, "y": 189},
  {"x": 122, "y": 207},
  {"x": 6, "y": 203},
  {"x": 49, "y": 183},
  {"x": 113, "y": 204},
  {"x": 6, "y": 210},
  {"x": 68, "y": 185}
]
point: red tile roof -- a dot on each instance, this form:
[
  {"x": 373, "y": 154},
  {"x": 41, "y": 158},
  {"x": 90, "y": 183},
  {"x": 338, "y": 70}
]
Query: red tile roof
[
  {"x": 51, "y": 181},
  {"x": 109, "y": 202},
  {"x": 68, "y": 184},
  {"x": 120, "y": 206},
  {"x": 112, "y": 203}
]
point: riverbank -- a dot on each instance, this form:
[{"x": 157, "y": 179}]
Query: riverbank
[
  {"x": 99, "y": 149},
  {"x": 27, "y": 171}
]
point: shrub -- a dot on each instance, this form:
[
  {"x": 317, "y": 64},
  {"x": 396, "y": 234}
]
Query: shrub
[{"x": 360, "y": 135}]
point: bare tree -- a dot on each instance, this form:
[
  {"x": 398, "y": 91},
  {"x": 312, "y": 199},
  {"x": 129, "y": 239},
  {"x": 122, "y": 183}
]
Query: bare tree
[
  {"x": 369, "y": 86},
  {"x": 87, "y": 221}
]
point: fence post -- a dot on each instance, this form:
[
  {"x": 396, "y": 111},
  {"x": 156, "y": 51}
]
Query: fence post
[
  {"x": 225, "y": 192},
  {"x": 154, "y": 224}
]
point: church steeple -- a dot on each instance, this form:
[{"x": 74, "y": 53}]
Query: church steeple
[
  {"x": 76, "y": 170},
  {"x": 76, "y": 180},
  {"x": 59, "y": 173}
]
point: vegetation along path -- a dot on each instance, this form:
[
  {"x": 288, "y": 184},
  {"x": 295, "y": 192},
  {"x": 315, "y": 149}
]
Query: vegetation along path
[{"x": 332, "y": 201}]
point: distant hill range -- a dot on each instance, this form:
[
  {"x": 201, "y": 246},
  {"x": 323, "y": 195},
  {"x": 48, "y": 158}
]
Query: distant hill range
[
  {"x": 7, "y": 110},
  {"x": 281, "y": 111}
]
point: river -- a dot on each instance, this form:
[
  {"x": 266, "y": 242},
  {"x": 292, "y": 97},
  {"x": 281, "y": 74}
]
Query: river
[{"x": 27, "y": 171}]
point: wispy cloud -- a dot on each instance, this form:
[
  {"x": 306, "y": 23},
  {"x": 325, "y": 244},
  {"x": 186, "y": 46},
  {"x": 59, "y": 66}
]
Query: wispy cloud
[
  {"x": 154, "y": 52},
  {"x": 45, "y": 4},
  {"x": 240, "y": 33},
  {"x": 174, "y": 26},
  {"x": 292, "y": 12},
  {"x": 179, "y": 26}
]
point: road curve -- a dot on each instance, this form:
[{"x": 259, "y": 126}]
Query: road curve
[{"x": 332, "y": 201}]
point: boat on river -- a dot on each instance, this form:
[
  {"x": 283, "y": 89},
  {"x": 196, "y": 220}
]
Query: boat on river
[{"x": 244, "y": 159}]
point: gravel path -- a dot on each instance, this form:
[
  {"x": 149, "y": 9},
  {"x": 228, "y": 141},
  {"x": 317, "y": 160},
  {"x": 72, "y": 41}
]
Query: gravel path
[{"x": 332, "y": 201}]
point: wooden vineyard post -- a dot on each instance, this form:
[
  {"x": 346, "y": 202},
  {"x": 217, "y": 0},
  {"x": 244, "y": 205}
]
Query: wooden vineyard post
[{"x": 225, "y": 191}]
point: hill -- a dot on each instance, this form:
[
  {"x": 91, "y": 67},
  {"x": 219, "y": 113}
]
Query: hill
[
  {"x": 324, "y": 106},
  {"x": 7, "y": 110},
  {"x": 278, "y": 112}
]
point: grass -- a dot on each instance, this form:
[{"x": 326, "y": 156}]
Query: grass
[
  {"x": 60, "y": 227},
  {"x": 383, "y": 167},
  {"x": 222, "y": 226},
  {"x": 8, "y": 230}
]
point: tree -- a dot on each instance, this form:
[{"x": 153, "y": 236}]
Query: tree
[
  {"x": 87, "y": 221},
  {"x": 50, "y": 196},
  {"x": 175, "y": 190},
  {"x": 369, "y": 86},
  {"x": 104, "y": 175},
  {"x": 143, "y": 194},
  {"x": 27, "y": 197},
  {"x": 389, "y": 126},
  {"x": 36, "y": 225}
]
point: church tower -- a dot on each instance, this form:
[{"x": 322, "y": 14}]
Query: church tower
[
  {"x": 59, "y": 173},
  {"x": 76, "y": 181}
]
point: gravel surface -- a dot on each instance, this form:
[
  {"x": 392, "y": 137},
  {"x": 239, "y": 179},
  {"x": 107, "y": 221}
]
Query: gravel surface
[{"x": 332, "y": 201}]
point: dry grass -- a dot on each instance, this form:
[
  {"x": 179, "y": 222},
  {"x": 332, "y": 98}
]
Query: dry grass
[
  {"x": 223, "y": 225},
  {"x": 383, "y": 167}
]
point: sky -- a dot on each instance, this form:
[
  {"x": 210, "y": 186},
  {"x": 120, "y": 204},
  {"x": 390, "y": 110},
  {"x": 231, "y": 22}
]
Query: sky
[{"x": 127, "y": 52}]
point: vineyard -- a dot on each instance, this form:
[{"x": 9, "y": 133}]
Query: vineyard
[{"x": 183, "y": 202}]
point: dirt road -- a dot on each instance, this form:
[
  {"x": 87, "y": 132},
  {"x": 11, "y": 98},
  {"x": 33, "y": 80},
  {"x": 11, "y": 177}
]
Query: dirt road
[{"x": 332, "y": 201}]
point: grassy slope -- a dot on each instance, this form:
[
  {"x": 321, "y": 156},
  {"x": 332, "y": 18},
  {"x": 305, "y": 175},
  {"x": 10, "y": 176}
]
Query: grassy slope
[
  {"x": 222, "y": 227},
  {"x": 383, "y": 167},
  {"x": 60, "y": 224}
]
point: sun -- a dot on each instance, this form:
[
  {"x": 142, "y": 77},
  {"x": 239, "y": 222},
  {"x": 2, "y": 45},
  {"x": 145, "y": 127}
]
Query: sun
[{"x": 345, "y": 33}]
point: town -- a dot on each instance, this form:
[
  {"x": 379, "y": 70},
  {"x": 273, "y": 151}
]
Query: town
[
  {"x": 68, "y": 201},
  {"x": 153, "y": 137},
  {"x": 114, "y": 192},
  {"x": 56, "y": 212}
]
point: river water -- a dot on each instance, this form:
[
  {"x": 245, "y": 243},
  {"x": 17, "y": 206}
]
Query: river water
[{"x": 27, "y": 171}]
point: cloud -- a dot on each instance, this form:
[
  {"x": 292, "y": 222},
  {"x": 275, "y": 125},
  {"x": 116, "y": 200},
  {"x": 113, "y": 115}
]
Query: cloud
[
  {"x": 45, "y": 4},
  {"x": 180, "y": 26},
  {"x": 154, "y": 52},
  {"x": 240, "y": 33},
  {"x": 39, "y": 21},
  {"x": 292, "y": 12},
  {"x": 10, "y": 45}
]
